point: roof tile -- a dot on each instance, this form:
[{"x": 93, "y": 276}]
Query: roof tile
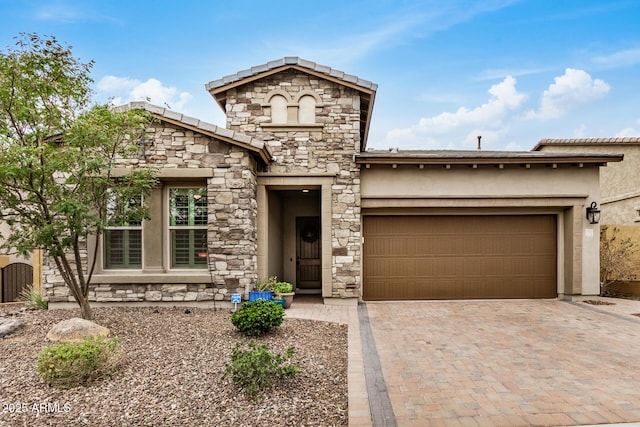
[
  {"x": 172, "y": 115},
  {"x": 242, "y": 138},
  {"x": 210, "y": 127},
  {"x": 225, "y": 132},
  {"x": 195, "y": 123},
  {"x": 191, "y": 121},
  {"x": 291, "y": 60},
  {"x": 275, "y": 64}
]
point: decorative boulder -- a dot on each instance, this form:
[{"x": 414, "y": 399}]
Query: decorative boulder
[
  {"x": 76, "y": 330},
  {"x": 9, "y": 326}
]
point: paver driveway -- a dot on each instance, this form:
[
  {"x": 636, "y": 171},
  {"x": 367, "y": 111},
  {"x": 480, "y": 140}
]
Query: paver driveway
[{"x": 507, "y": 363}]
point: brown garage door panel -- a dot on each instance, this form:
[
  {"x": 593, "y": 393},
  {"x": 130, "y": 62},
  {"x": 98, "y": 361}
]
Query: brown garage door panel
[{"x": 452, "y": 257}]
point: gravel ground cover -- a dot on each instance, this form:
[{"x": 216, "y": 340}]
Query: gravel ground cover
[{"x": 172, "y": 373}]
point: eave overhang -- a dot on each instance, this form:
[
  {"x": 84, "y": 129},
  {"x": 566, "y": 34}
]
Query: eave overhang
[{"x": 472, "y": 159}]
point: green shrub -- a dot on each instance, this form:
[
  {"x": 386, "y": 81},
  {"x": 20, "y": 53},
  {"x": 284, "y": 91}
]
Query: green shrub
[
  {"x": 33, "y": 297},
  {"x": 282, "y": 288},
  {"x": 68, "y": 365},
  {"x": 257, "y": 317},
  {"x": 256, "y": 369}
]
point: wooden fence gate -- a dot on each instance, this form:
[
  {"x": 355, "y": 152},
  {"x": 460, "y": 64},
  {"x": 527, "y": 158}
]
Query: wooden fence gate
[{"x": 15, "y": 277}]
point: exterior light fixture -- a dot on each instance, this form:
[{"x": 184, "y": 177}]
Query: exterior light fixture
[
  {"x": 144, "y": 144},
  {"x": 304, "y": 190},
  {"x": 593, "y": 213}
]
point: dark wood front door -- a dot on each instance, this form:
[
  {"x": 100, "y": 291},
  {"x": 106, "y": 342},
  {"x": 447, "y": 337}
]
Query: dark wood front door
[{"x": 309, "y": 268}]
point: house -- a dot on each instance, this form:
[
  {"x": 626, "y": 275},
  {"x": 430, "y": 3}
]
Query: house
[
  {"x": 619, "y": 182},
  {"x": 16, "y": 271},
  {"x": 289, "y": 188}
]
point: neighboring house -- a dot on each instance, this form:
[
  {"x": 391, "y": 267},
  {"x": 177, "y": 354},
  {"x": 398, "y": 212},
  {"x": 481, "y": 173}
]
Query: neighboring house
[
  {"x": 619, "y": 182},
  {"x": 16, "y": 271},
  {"x": 289, "y": 188}
]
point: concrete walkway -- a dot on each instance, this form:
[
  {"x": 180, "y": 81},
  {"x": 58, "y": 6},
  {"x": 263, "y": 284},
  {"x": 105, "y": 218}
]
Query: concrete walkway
[{"x": 489, "y": 363}]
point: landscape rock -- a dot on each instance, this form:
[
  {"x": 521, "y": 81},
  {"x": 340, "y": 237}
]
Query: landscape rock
[
  {"x": 76, "y": 330},
  {"x": 9, "y": 326}
]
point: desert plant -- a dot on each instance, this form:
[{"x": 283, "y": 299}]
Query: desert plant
[
  {"x": 617, "y": 261},
  {"x": 68, "y": 365},
  {"x": 256, "y": 369},
  {"x": 257, "y": 317},
  {"x": 33, "y": 297},
  {"x": 282, "y": 288},
  {"x": 266, "y": 284}
]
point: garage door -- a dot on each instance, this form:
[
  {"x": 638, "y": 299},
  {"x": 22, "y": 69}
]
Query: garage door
[{"x": 459, "y": 257}]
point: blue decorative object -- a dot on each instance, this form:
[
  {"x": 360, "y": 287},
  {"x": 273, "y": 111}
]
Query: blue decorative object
[
  {"x": 279, "y": 301},
  {"x": 255, "y": 295}
]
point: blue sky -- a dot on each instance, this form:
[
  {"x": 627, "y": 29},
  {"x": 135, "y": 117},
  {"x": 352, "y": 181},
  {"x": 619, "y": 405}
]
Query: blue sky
[{"x": 512, "y": 71}]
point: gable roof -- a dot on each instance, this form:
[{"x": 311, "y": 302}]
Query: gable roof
[
  {"x": 367, "y": 89},
  {"x": 253, "y": 145},
  {"x": 475, "y": 158},
  {"x": 586, "y": 141}
]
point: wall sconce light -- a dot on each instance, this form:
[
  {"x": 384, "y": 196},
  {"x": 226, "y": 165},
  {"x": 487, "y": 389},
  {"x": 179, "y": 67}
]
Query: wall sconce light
[
  {"x": 144, "y": 144},
  {"x": 593, "y": 213}
]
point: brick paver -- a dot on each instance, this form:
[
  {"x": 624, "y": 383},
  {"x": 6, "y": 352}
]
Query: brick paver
[{"x": 508, "y": 363}]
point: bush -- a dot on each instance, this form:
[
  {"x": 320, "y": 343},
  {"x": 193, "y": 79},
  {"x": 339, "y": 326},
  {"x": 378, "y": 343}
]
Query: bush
[
  {"x": 33, "y": 297},
  {"x": 257, "y": 317},
  {"x": 257, "y": 368},
  {"x": 68, "y": 365},
  {"x": 282, "y": 288}
]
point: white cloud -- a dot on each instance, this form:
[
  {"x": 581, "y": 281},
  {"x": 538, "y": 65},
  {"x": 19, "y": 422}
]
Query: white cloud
[
  {"x": 573, "y": 88},
  {"x": 580, "y": 131},
  {"x": 465, "y": 124},
  {"x": 66, "y": 12},
  {"x": 626, "y": 132},
  {"x": 621, "y": 58},
  {"x": 113, "y": 83},
  {"x": 153, "y": 91},
  {"x": 373, "y": 35}
]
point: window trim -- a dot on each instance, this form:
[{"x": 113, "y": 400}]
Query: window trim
[
  {"x": 167, "y": 227},
  {"x": 104, "y": 256}
]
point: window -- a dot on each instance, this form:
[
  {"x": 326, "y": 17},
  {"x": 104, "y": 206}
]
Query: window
[
  {"x": 278, "y": 109},
  {"x": 307, "y": 110},
  {"x": 188, "y": 227},
  {"x": 288, "y": 111},
  {"x": 123, "y": 235}
]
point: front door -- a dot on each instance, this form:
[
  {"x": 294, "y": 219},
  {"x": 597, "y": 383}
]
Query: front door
[{"x": 309, "y": 267}]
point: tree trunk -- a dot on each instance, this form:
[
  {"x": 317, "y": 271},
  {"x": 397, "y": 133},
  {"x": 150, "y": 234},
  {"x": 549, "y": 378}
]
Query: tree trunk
[{"x": 85, "y": 308}]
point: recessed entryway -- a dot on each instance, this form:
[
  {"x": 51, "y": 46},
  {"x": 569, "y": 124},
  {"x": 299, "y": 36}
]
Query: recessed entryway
[{"x": 294, "y": 231}]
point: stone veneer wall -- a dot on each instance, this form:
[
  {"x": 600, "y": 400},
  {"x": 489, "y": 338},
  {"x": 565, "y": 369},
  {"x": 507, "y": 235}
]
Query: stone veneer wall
[
  {"x": 232, "y": 213},
  {"x": 307, "y": 150}
]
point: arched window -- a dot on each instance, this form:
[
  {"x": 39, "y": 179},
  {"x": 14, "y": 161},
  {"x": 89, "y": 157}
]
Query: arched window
[
  {"x": 307, "y": 110},
  {"x": 278, "y": 109}
]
